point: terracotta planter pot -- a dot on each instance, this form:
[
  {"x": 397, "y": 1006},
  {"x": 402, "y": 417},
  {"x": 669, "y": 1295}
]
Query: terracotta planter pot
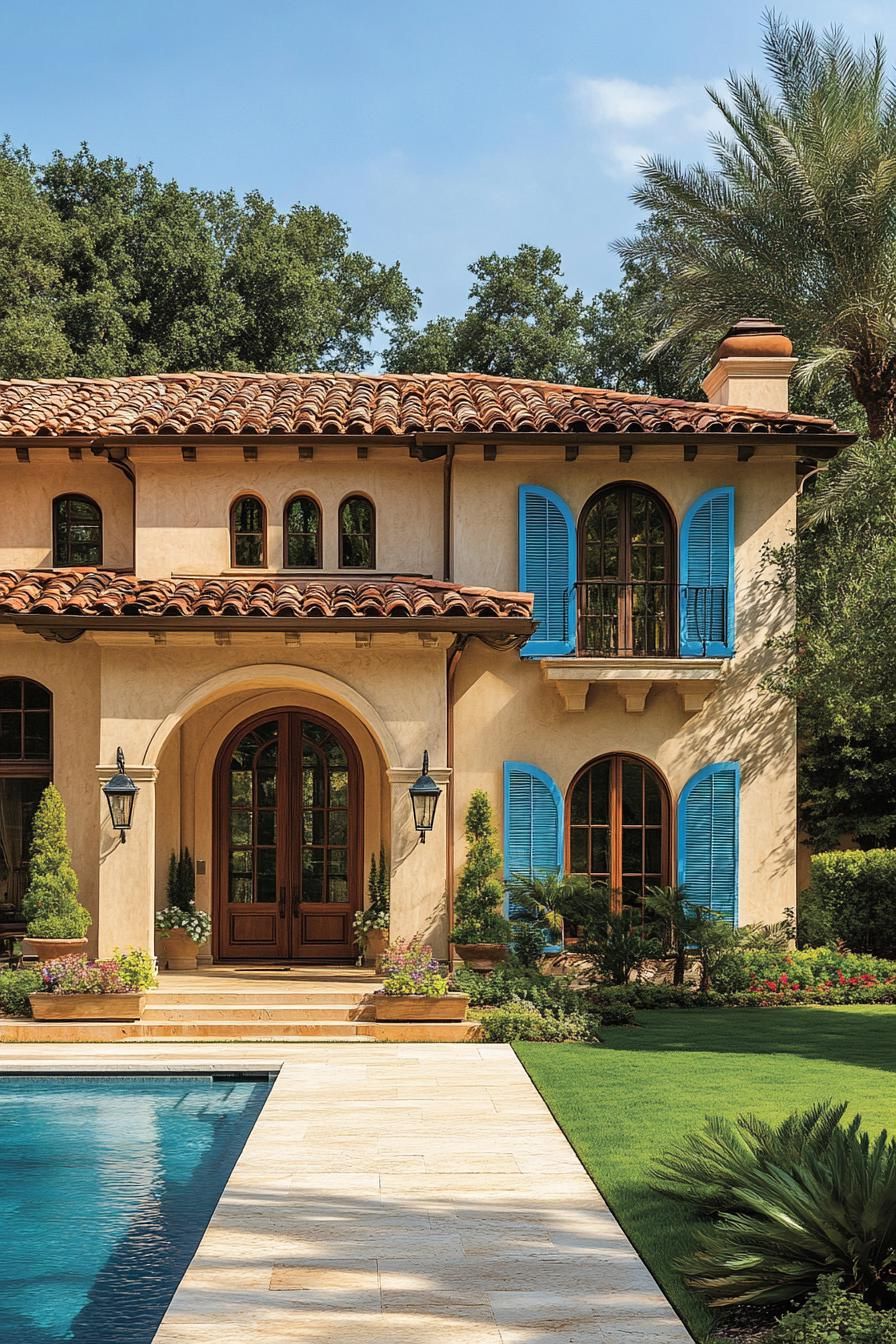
[
  {"x": 87, "y": 1007},
  {"x": 418, "y": 1008},
  {"x": 48, "y": 949},
  {"x": 181, "y": 952},
  {"x": 375, "y": 946},
  {"x": 481, "y": 956}
]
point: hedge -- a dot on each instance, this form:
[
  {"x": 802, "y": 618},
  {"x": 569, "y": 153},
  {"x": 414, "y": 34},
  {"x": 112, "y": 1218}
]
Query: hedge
[{"x": 851, "y": 899}]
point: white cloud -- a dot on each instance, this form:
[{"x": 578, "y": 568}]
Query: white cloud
[{"x": 669, "y": 118}]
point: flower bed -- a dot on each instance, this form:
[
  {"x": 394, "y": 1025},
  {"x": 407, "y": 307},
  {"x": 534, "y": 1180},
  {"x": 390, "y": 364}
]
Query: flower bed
[
  {"x": 75, "y": 988},
  {"x": 414, "y": 989}
]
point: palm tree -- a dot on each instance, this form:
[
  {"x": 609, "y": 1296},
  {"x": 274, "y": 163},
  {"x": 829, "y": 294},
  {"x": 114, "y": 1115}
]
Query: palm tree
[{"x": 796, "y": 220}]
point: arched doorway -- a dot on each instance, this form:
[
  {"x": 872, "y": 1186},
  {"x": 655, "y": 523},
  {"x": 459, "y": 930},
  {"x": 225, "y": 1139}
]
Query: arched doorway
[
  {"x": 627, "y": 600},
  {"x": 288, "y": 800}
]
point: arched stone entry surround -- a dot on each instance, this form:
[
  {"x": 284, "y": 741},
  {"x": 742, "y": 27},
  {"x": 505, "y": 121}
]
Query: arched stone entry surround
[{"x": 176, "y": 778}]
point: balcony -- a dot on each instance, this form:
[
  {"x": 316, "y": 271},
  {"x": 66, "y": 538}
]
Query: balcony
[{"x": 628, "y": 638}]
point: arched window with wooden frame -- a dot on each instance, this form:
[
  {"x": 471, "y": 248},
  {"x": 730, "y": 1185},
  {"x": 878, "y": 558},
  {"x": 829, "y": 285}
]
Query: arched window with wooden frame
[
  {"x": 26, "y": 768},
  {"x": 248, "y": 533},
  {"x": 357, "y": 533},
  {"x": 77, "y": 531},
  {"x": 627, "y": 574},
  {"x": 302, "y": 533},
  {"x": 619, "y": 827}
]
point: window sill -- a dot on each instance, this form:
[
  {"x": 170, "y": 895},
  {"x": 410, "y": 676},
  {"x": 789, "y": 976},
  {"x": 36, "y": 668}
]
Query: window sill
[{"x": 695, "y": 679}]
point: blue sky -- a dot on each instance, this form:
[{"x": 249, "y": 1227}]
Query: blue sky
[{"x": 438, "y": 131}]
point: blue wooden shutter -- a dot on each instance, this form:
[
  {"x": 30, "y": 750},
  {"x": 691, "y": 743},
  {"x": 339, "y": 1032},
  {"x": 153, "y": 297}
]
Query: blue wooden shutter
[
  {"x": 533, "y": 825},
  {"x": 708, "y": 838},
  {"x": 707, "y": 576},
  {"x": 547, "y": 543}
]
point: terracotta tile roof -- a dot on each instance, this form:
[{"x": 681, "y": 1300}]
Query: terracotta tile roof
[
  {"x": 106, "y": 593},
  {"x": 341, "y": 403}
]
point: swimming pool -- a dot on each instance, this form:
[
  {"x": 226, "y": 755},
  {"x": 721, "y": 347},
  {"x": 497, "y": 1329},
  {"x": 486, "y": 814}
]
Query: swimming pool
[{"x": 106, "y": 1186}]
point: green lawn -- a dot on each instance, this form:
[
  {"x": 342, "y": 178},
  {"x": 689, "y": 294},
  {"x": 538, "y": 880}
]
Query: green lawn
[{"x": 623, "y": 1102}]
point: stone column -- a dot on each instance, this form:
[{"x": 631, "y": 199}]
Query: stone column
[
  {"x": 419, "y": 902},
  {"x": 126, "y": 906}
]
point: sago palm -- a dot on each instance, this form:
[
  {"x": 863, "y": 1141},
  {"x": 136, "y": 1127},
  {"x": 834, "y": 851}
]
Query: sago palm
[{"x": 796, "y": 218}]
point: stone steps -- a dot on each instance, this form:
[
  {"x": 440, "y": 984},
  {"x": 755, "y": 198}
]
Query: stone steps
[
  {"x": 22, "y": 1030},
  {"x": 257, "y": 1012}
]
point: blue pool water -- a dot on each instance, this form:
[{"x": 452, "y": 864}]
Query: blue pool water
[{"x": 106, "y": 1186}]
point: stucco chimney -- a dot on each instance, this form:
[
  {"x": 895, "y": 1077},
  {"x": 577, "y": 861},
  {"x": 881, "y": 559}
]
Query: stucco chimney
[{"x": 751, "y": 367}]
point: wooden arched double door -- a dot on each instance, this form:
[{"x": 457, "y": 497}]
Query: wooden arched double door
[{"x": 287, "y": 811}]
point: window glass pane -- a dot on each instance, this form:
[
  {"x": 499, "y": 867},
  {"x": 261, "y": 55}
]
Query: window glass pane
[
  {"x": 247, "y": 550},
  {"x": 11, "y": 736},
  {"x": 10, "y": 693},
  {"x": 337, "y": 889},
  {"x": 600, "y": 850},
  {"x": 18, "y": 801},
  {"x": 240, "y": 827},
  {"x": 241, "y": 786},
  {"x": 266, "y": 828},
  {"x": 35, "y": 697},
  {"x": 632, "y": 811},
  {"x": 301, "y": 551},
  {"x": 241, "y": 861},
  {"x": 578, "y": 849},
  {"x": 579, "y": 802},
  {"x": 37, "y": 736},
  {"x": 266, "y": 888},
  {"x": 600, "y": 793},
  {"x": 338, "y": 788},
  {"x": 240, "y": 889},
  {"x": 338, "y": 828},
  {"x": 653, "y": 800},
  {"x": 653, "y": 852},
  {"x": 631, "y": 849},
  {"x": 247, "y": 515},
  {"x": 356, "y": 534}
]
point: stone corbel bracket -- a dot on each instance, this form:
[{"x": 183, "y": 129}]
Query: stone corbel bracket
[{"x": 695, "y": 679}]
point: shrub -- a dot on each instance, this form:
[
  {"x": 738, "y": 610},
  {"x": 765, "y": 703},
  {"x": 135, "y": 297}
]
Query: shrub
[
  {"x": 181, "y": 885},
  {"x": 196, "y": 924},
  {"x": 617, "y": 1015},
  {"x": 524, "y": 1022},
  {"x": 480, "y": 896},
  {"x": 529, "y": 938},
  {"x": 15, "y": 986},
  {"x": 122, "y": 973},
  {"x": 807, "y": 1199},
  {"x": 832, "y": 1315},
  {"x": 851, "y": 899},
  {"x": 376, "y": 913},
  {"x": 51, "y": 904},
  {"x": 518, "y": 984},
  {"x": 137, "y": 969}
]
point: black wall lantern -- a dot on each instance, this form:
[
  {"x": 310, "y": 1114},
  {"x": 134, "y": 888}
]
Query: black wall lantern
[
  {"x": 120, "y": 793},
  {"x": 425, "y": 794}
]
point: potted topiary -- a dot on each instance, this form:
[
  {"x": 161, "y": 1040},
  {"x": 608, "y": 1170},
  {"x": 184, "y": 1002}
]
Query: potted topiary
[
  {"x": 56, "y": 922},
  {"x": 78, "y": 990},
  {"x": 372, "y": 925},
  {"x": 481, "y": 932},
  {"x": 182, "y": 926},
  {"x": 414, "y": 990}
]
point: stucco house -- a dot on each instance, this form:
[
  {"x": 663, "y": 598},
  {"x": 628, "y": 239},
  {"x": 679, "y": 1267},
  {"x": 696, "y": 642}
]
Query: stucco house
[{"x": 275, "y": 591}]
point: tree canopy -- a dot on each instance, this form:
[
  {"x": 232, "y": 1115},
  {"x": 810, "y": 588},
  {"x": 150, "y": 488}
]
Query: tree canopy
[
  {"x": 796, "y": 219},
  {"x": 105, "y": 271}
]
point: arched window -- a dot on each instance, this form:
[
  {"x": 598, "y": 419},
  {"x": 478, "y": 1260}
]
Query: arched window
[
  {"x": 302, "y": 534},
  {"x": 26, "y": 768},
  {"x": 618, "y": 827},
  {"x": 357, "y": 533},
  {"x": 77, "y": 531},
  {"x": 627, "y": 574},
  {"x": 248, "y": 527}
]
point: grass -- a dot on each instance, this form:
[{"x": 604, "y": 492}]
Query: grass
[{"x": 624, "y": 1102}]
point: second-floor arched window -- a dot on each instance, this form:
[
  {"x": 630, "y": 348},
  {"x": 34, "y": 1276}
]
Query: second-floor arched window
[
  {"x": 302, "y": 534},
  {"x": 357, "y": 533},
  {"x": 248, "y": 527},
  {"x": 627, "y": 596},
  {"x": 77, "y": 531}
]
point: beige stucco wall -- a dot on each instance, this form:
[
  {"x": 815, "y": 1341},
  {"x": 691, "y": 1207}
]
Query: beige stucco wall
[
  {"x": 27, "y": 491},
  {"x": 505, "y": 711},
  {"x": 183, "y": 509},
  {"x": 171, "y": 705}
]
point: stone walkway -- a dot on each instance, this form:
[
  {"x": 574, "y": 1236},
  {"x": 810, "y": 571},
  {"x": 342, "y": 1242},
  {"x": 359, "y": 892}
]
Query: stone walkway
[{"x": 392, "y": 1194}]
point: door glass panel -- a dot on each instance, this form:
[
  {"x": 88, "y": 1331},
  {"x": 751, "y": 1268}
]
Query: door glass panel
[{"x": 253, "y": 817}]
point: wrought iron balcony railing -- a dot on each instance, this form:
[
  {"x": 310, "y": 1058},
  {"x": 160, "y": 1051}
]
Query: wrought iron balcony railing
[{"x": 643, "y": 618}]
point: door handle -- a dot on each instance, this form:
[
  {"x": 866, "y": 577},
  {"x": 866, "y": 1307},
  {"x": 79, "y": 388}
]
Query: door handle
[
  {"x": 296, "y": 900},
  {"x": 282, "y": 911}
]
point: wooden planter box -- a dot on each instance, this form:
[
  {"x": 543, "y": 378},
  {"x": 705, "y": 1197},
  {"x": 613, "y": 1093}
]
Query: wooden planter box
[
  {"x": 87, "y": 1007},
  {"x": 418, "y": 1008}
]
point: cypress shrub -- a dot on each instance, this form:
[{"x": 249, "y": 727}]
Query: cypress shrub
[{"x": 51, "y": 906}]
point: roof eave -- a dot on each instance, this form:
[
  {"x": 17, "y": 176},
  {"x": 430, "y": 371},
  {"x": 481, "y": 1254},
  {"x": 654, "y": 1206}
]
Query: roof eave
[{"x": 485, "y": 625}]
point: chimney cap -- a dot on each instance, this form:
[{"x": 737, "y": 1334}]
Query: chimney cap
[{"x": 754, "y": 336}]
